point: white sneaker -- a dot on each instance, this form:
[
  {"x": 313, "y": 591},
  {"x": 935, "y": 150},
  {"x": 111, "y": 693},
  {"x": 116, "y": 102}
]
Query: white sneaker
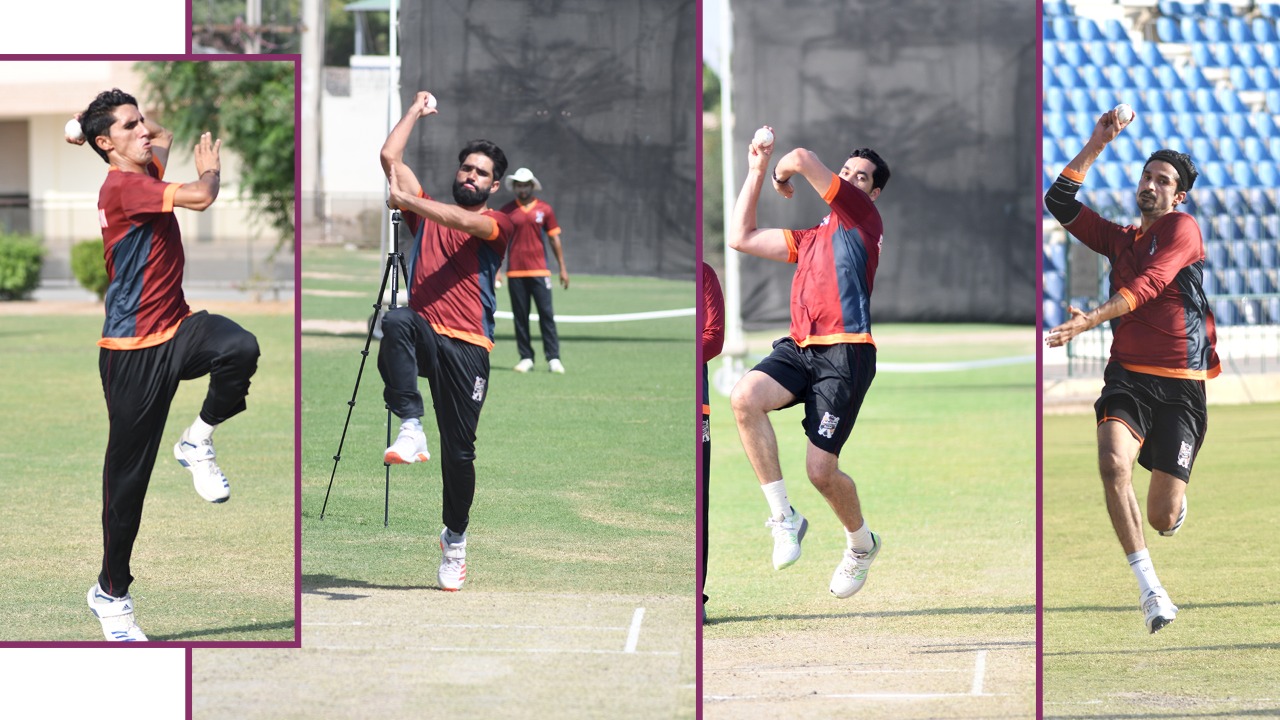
[
  {"x": 116, "y": 616},
  {"x": 410, "y": 447},
  {"x": 524, "y": 366},
  {"x": 1159, "y": 609},
  {"x": 555, "y": 366},
  {"x": 851, "y": 574},
  {"x": 453, "y": 563},
  {"x": 787, "y": 531},
  {"x": 211, "y": 484},
  {"x": 1181, "y": 517}
]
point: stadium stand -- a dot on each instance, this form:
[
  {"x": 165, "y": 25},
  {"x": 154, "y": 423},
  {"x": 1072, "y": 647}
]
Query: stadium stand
[{"x": 1203, "y": 77}]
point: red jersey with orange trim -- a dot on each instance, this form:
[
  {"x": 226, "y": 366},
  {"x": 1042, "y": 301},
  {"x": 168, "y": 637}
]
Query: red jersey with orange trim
[
  {"x": 1169, "y": 329},
  {"x": 451, "y": 276},
  {"x": 835, "y": 269},
  {"x": 528, "y": 255},
  {"x": 142, "y": 247},
  {"x": 712, "y": 314}
]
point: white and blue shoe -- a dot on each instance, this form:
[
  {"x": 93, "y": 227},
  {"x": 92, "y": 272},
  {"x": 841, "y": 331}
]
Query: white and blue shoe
[
  {"x": 1159, "y": 609},
  {"x": 210, "y": 482},
  {"x": 851, "y": 574},
  {"x": 116, "y": 616},
  {"x": 788, "y": 532}
]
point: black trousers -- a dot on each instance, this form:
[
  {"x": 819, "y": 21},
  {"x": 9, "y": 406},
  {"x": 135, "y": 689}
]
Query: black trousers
[
  {"x": 458, "y": 374},
  {"x": 539, "y": 288},
  {"x": 139, "y": 386},
  {"x": 706, "y": 476}
]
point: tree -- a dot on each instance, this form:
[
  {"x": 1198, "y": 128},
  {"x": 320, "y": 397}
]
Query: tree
[{"x": 249, "y": 106}]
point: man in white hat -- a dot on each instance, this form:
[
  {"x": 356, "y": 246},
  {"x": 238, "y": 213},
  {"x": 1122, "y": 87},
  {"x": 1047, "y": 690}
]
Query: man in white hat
[{"x": 527, "y": 272}]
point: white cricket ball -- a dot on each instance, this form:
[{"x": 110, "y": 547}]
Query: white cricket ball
[
  {"x": 1124, "y": 113},
  {"x": 72, "y": 129},
  {"x": 763, "y": 138},
  {"x": 431, "y": 101}
]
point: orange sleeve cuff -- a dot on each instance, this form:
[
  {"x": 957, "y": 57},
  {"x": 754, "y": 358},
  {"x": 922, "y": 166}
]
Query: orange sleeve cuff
[
  {"x": 169, "y": 192},
  {"x": 1129, "y": 298},
  {"x": 493, "y": 230},
  {"x": 1070, "y": 174},
  {"x": 834, "y": 187},
  {"x": 554, "y": 232},
  {"x": 159, "y": 168},
  {"x": 792, "y": 254}
]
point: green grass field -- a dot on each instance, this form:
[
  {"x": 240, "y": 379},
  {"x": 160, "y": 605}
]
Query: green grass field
[
  {"x": 1221, "y": 657},
  {"x": 584, "y": 511},
  {"x": 203, "y": 572},
  {"x": 945, "y": 466}
]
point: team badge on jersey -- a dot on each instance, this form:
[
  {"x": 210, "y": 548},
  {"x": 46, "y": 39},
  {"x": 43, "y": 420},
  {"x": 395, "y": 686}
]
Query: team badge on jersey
[
  {"x": 1184, "y": 456},
  {"x": 478, "y": 393},
  {"x": 539, "y": 216},
  {"x": 1152, "y": 251},
  {"x": 827, "y": 428}
]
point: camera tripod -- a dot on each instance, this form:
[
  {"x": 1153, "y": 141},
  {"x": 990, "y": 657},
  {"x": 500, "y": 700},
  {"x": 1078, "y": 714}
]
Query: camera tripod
[{"x": 391, "y": 273}]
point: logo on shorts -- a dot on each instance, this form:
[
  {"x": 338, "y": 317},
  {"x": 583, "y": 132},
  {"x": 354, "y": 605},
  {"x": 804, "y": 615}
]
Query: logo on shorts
[
  {"x": 478, "y": 393},
  {"x": 1184, "y": 456},
  {"x": 706, "y": 431},
  {"x": 828, "y": 426}
]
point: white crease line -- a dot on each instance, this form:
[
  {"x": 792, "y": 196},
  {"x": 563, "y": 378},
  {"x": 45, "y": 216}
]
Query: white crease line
[
  {"x": 633, "y": 636},
  {"x": 361, "y": 623},
  {"x": 979, "y": 670},
  {"x": 847, "y": 696},
  {"x": 822, "y": 671},
  {"x": 566, "y": 651}
]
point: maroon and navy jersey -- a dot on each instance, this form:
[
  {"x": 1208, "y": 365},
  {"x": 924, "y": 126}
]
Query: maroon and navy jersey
[
  {"x": 1169, "y": 329},
  {"x": 528, "y": 256},
  {"x": 143, "y": 250},
  {"x": 835, "y": 270},
  {"x": 451, "y": 276}
]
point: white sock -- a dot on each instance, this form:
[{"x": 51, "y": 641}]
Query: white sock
[
  {"x": 776, "y": 493},
  {"x": 200, "y": 431},
  {"x": 860, "y": 539},
  {"x": 414, "y": 423},
  {"x": 1144, "y": 570}
]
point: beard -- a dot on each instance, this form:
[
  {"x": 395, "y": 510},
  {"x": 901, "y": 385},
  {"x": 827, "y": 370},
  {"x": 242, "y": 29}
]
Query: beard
[{"x": 467, "y": 197}]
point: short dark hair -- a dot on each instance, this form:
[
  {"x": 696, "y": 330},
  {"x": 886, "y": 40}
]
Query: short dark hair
[
  {"x": 100, "y": 116},
  {"x": 880, "y": 177},
  {"x": 1181, "y": 163},
  {"x": 490, "y": 150}
]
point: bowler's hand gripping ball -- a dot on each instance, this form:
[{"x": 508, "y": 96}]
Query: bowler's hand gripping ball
[
  {"x": 72, "y": 130},
  {"x": 1124, "y": 113},
  {"x": 763, "y": 138}
]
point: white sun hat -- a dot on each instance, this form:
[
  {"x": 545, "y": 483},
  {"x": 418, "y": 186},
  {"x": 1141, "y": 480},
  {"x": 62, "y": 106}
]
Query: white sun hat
[{"x": 522, "y": 175}]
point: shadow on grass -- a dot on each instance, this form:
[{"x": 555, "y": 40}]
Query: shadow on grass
[
  {"x": 321, "y": 584},
  {"x": 1190, "y": 648},
  {"x": 257, "y": 627},
  {"x": 1181, "y": 606},
  {"x": 1266, "y": 712},
  {"x": 923, "y": 612}
]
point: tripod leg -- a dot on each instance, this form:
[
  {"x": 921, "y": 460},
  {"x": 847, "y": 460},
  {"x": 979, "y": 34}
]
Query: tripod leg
[{"x": 351, "y": 404}]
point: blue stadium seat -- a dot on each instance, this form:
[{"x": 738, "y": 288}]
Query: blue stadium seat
[
  {"x": 1050, "y": 54},
  {"x": 1149, "y": 144},
  {"x": 1271, "y": 226},
  {"x": 1105, "y": 99},
  {"x": 1249, "y": 223},
  {"x": 1168, "y": 78},
  {"x": 1223, "y": 227},
  {"x": 1046, "y": 179},
  {"x": 1264, "y": 30},
  {"x": 1249, "y": 56},
  {"x": 1272, "y": 307},
  {"x": 1100, "y": 54},
  {"x": 1242, "y": 172},
  {"x": 1064, "y": 29},
  {"x": 1055, "y": 125},
  {"x": 1089, "y": 30},
  {"x": 1265, "y": 126},
  {"x": 1168, "y": 30},
  {"x": 1053, "y": 313},
  {"x": 1202, "y": 151},
  {"x": 1125, "y": 150},
  {"x": 1241, "y": 80},
  {"x": 1170, "y": 8},
  {"x": 1270, "y": 54},
  {"x": 1154, "y": 100},
  {"x": 1235, "y": 284},
  {"x": 1145, "y": 77},
  {"x": 1241, "y": 254},
  {"x": 1056, "y": 8},
  {"x": 1183, "y": 101},
  {"x": 1268, "y": 8},
  {"x": 1216, "y": 175},
  {"x": 1048, "y": 78},
  {"x": 1237, "y": 30},
  {"x": 1210, "y": 282},
  {"x": 1211, "y": 55},
  {"x": 1126, "y": 55},
  {"x": 1187, "y": 126},
  {"x": 1192, "y": 31},
  {"x": 1120, "y": 78},
  {"x": 1074, "y": 54},
  {"x": 1048, "y": 33},
  {"x": 1207, "y": 202},
  {"x": 1219, "y": 9},
  {"x": 1055, "y": 101},
  {"x": 1094, "y": 77},
  {"x": 1240, "y": 126},
  {"x": 1194, "y": 79},
  {"x": 1160, "y": 126},
  {"x": 1261, "y": 204},
  {"x": 1256, "y": 150},
  {"x": 1225, "y": 313},
  {"x": 1268, "y": 253},
  {"x": 1055, "y": 286},
  {"x": 1259, "y": 282},
  {"x": 1216, "y": 254},
  {"x": 1068, "y": 77},
  {"x": 1080, "y": 100},
  {"x": 1150, "y": 53},
  {"x": 1264, "y": 79},
  {"x": 1215, "y": 30},
  {"x": 1206, "y": 101},
  {"x": 1115, "y": 31},
  {"x": 1230, "y": 101},
  {"x": 1235, "y": 203}
]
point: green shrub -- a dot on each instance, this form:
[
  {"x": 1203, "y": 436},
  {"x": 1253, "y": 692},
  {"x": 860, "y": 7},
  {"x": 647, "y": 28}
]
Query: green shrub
[
  {"x": 20, "y": 259},
  {"x": 89, "y": 267}
]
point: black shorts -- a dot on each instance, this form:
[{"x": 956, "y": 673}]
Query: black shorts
[
  {"x": 1167, "y": 415},
  {"x": 831, "y": 381}
]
